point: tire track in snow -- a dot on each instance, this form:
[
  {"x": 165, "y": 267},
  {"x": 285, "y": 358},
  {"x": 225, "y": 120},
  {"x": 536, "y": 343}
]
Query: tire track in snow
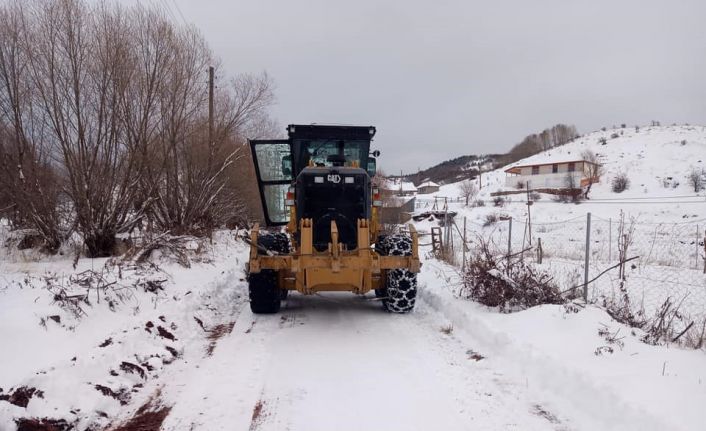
[{"x": 335, "y": 361}]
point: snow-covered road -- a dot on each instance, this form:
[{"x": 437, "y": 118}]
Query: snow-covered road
[{"x": 336, "y": 361}]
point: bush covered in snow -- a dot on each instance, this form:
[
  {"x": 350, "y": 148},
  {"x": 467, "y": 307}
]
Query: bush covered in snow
[
  {"x": 507, "y": 284},
  {"x": 620, "y": 182}
]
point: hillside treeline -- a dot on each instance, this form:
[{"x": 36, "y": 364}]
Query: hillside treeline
[
  {"x": 451, "y": 170},
  {"x": 104, "y": 124},
  {"x": 532, "y": 144},
  {"x": 457, "y": 169}
]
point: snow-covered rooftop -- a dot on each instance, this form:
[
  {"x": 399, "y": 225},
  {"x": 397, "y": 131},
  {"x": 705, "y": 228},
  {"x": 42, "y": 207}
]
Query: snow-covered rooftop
[
  {"x": 396, "y": 186},
  {"x": 428, "y": 184}
]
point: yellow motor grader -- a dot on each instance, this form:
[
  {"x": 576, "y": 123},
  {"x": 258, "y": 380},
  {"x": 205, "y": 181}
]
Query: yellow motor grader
[{"x": 318, "y": 184}]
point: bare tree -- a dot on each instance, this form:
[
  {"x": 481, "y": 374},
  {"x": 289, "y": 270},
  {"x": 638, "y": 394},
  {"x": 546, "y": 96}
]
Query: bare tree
[
  {"x": 29, "y": 190},
  {"x": 696, "y": 179},
  {"x": 81, "y": 71},
  {"x": 592, "y": 169},
  {"x": 104, "y": 111},
  {"x": 557, "y": 135},
  {"x": 195, "y": 189},
  {"x": 469, "y": 190}
]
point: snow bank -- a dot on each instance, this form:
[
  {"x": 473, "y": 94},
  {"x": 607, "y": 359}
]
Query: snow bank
[
  {"x": 88, "y": 364},
  {"x": 636, "y": 387}
]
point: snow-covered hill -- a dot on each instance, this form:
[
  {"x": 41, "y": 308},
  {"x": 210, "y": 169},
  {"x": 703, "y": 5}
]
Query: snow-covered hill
[{"x": 654, "y": 158}]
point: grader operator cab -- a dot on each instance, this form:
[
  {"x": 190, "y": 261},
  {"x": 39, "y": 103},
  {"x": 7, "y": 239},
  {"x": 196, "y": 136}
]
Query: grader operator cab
[{"x": 318, "y": 184}]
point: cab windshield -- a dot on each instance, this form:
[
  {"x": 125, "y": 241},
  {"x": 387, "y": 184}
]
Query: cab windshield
[{"x": 331, "y": 152}]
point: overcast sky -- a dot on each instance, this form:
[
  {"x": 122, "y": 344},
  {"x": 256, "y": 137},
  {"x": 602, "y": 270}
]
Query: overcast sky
[{"x": 442, "y": 79}]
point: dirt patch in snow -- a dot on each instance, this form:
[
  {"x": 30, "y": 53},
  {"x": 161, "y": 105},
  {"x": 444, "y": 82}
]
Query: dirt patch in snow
[
  {"x": 200, "y": 323},
  {"x": 129, "y": 367},
  {"x": 173, "y": 352},
  {"x": 149, "y": 417},
  {"x": 21, "y": 396},
  {"x": 44, "y": 424},
  {"x": 121, "y": 396},
  {"x": 542, "y": 412},
  {"x": 474, "y": 355},
  {"x": 257, "y": 416},
  {"x": 216, "y": 333},
  {"x": 165, "y": 334}
]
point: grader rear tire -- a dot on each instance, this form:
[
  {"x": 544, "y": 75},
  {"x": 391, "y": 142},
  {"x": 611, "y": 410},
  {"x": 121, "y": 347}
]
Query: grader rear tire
[
  {"x": 264, "y": 292},
  {"x": 263, "y": 287},
  {"x": 400, "y": 284}
]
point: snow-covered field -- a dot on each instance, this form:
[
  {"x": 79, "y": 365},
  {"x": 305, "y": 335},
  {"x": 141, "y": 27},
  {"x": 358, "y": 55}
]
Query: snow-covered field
[{"x": 168, "y": 343}]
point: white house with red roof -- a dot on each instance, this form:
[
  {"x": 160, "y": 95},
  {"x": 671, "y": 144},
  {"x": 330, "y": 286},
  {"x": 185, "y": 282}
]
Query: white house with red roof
[{"x": 558, "y": 174}]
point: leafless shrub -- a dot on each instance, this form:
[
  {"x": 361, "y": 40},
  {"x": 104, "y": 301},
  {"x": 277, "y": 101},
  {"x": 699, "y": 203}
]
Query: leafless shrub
[
  {"x": 621, "y": 309},
  {"x": 490, "y": 219},
  {"x": 660, "y": 329},
  {"x": 695, "y": 179},
  {"x": 670, "y": 183},
  {"x": 508, "y": 284},
  {"x": 182, "y": 248},
  {"x": 620, "y": 182},
  {"x": 695, "y": 339},
  {"x": 469, "y": 190},
  {"x": 611, "y": 338},
  {"x": 499, "y": 201},
  {"x": 447, "y": 329},
  {"x": 479, "y": 203}
]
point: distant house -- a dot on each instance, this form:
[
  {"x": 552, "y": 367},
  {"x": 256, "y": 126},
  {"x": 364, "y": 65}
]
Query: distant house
[
  {"x": 567, "y": 174},
  {"x": 397, "y": 187},
  {"x": 427, "y": 187}
]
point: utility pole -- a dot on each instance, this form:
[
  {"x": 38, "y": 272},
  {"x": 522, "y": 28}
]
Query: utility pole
[
  {"x": 529, "y": 213},
  {"x": 210, "y": 106}
]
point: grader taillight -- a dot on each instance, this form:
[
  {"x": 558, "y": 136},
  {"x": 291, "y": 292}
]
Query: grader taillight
[
  {"x": 289, "y": 201},
  {"x": 377, "y": 200}
]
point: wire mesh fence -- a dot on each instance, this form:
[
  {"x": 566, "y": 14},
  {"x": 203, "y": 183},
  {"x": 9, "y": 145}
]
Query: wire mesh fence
[{"x": 661, "y": 261}]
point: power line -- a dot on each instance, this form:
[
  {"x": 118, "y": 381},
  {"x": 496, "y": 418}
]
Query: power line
[
  {"x": 168, "y": 9},
  {"x": 176, "y": 5},
  {"x": 591, "y": 201},
  {"x": 650, "y": 197}
]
